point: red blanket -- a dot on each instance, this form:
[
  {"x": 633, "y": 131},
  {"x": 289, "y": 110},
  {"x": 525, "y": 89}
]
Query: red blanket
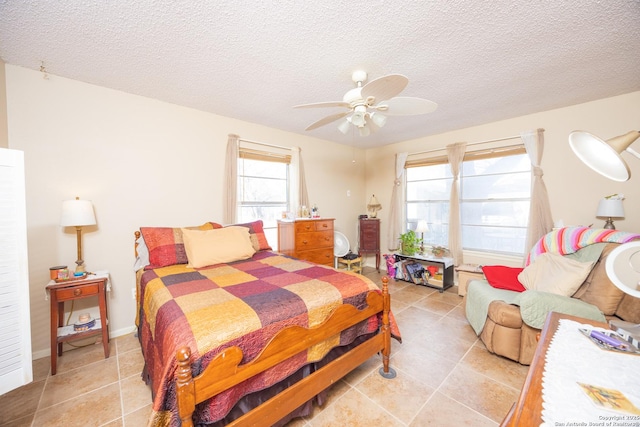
[{"x": 240, "y": 304}]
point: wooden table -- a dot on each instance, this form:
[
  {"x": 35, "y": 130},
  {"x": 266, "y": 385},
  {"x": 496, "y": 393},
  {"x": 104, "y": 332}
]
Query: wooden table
[
  {"x": 527, "y": 412},
  {"x": 72, "y": 290}
]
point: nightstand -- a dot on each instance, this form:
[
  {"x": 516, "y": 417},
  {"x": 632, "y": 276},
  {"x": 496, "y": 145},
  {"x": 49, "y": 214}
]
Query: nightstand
[{"x": 72, "y": 290}]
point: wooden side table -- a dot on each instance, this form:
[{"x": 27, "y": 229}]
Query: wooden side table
[
  {"x": 351, "y": 264},
  {"x": 72, "y": 290}
]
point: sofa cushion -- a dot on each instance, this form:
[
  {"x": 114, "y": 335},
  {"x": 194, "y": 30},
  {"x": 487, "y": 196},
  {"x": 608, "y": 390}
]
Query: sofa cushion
[
  {"x": 598, "y": 289},
  {"x": 555, "y": 274},
  {"x": 503, "y": 277},
  {"x": 629, "y": 309}
]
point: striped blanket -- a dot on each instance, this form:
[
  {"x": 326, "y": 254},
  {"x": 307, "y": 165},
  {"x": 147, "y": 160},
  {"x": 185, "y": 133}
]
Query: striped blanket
[
  {"x": 568, "y": 240},
  {"x": 240, "y": 304}
]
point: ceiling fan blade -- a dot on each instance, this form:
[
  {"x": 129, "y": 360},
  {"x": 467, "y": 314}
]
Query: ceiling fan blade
[
  {"x": 406, "y": 106},
  {"x": 385, "y": 87},
  {"x": 327, "y": 120},
  {"x": 324, "y": 104}
]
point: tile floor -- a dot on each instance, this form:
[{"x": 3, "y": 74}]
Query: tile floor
[{"x": 445, "y": 378}]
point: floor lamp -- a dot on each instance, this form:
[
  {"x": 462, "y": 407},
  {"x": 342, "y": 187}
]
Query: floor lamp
[
  {"x": 623, "y": 269},
  {"x": 77, "y": 213}
]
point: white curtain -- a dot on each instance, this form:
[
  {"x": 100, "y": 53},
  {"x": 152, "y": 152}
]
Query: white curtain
[
  {"x": 396, "y": 217},
  {"x": 231, "y": 180},
  {"x": 455, "y": 155},
  {"x": 298, "y": 195},
  {"x": 540, "y": 220}
]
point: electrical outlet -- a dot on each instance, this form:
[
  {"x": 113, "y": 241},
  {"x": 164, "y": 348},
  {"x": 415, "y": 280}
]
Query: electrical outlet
[
  {"x": 133, "y": 293},
  {"x": 348, "y": 193}
]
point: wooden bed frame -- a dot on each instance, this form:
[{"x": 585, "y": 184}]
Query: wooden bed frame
[{"x": 225, "y": 370}]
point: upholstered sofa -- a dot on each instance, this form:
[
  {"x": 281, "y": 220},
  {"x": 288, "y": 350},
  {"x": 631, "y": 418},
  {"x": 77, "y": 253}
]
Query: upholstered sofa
[{"x": 504, "y": 331}]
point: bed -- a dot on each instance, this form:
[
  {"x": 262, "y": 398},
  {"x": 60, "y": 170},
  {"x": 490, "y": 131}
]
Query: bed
[{"x": 250, "y": 341}]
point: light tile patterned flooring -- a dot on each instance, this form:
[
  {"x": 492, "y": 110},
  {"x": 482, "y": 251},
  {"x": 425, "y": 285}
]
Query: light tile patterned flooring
[{"x": 445, "y": 378}]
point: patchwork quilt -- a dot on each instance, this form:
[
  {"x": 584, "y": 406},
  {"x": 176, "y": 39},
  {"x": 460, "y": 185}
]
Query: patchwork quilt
[{"x": 242, "y": 304}]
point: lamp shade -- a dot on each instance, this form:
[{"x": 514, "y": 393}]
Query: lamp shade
[
  {"x": 422, "y": 227},
  {"x": 610, "y": 208},
  {"x": 604, "y": 157},
  {"x": 77, "y": 213},
  {"x": 623, "y": 267}
]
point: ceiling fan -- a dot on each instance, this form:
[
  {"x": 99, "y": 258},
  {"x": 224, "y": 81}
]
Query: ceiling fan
[{"x": 368, "y": 106}]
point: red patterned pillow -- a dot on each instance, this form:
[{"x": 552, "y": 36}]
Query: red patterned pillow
[
  {"x": 166, "y": 246},
  {"x": 503, "y": 277},
  {"x": 256, "y": 232}
]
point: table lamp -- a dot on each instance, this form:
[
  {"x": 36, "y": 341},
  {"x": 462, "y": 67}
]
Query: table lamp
[
  {"x": 422, "y": 228},
  {"x": 77, "y": 213},
  {"x": 373, "y": 207},
  {"x": 610, "y": 208}
]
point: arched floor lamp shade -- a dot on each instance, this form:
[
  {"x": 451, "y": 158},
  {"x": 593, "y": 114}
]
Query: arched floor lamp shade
[
  {"x": 623, "y": 267},
  {"x": 604, "y": 156}
]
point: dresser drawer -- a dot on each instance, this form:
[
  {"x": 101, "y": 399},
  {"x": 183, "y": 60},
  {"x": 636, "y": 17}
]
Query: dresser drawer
[
  {"x": 313, "y": 225},
  {"x": 324, "y": 225},
  {"x": 319, "y": 256},
  {"x": 315, "y": 239},
  {"x": 77, "y": 292}
]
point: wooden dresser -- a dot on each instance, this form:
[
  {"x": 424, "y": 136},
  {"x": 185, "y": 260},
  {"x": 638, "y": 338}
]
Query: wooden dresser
[
  {"x": 307, "y": 239},
  {"x": 370, "y": 238}
]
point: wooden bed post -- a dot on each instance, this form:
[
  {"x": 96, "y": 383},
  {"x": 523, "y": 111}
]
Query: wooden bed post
[
  {"x": 186, "y": 391},
  {"x": 135, "y": 246},
  {"x": 386, "y": 371}
]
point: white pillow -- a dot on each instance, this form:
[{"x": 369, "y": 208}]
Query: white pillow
[
  {"x": 555, "y": 274},
  {"x": 217, "y": 246}
]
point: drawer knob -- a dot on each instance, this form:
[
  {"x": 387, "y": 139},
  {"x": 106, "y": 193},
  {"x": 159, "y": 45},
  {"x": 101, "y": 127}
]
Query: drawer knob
[
  {"x": 77, "y": 292},
  {"x": 304, "y": 242},
  {"x": 324, "y": 225}
]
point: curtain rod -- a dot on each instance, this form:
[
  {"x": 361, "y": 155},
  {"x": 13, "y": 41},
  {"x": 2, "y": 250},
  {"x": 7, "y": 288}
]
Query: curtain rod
[
  {"x": 472, "y": 143},
  {"x": 264, "y": 143}
]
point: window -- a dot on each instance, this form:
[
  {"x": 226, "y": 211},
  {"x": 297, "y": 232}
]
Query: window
[
  {"x": 495, "y": 191},
  {"x": 263, "y": 189}
]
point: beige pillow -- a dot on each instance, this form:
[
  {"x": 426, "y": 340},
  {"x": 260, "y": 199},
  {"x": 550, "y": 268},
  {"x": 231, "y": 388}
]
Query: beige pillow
[
  {"x": 217, "y": 246},
  {"x": 555, "y": 274}
]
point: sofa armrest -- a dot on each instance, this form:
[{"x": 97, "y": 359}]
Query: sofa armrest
[
  {"x": 505, "y": 314},
  {"x": 536, "y": 305}
]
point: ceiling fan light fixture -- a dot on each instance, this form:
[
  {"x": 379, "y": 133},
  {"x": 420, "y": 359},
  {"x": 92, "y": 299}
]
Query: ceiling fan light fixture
[
  {"x": 358, "y": 118},
  {"x": 344, "y": 125},
  {"x": 379, "y": 119},
  {"x": 364, "y": 131}
]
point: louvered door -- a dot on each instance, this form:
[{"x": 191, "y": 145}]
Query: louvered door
[{"x": 15, "y": 330}]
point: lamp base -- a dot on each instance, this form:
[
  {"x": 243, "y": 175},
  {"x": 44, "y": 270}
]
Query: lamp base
[
  {"x": 609, "y": 224},
  {"x": 80, "y": 266}
]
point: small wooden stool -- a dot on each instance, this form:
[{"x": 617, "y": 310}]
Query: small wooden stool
[{"x": 354, "y": 265}]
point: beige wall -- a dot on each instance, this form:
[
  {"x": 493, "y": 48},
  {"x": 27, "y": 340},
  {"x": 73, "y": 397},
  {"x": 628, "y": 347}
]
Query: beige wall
[
  {"x": 143, "y": 163},
  {"x": 4, "y": 142},
  {"x": 574, "y": 190}
]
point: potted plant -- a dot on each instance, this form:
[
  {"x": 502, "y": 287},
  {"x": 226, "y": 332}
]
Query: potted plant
[
  {"x": 409, "y": 243},
  {"x": 438, "y": 251}
]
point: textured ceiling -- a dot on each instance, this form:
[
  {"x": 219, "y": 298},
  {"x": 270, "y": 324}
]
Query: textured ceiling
[{"x": 480, "y": 61}]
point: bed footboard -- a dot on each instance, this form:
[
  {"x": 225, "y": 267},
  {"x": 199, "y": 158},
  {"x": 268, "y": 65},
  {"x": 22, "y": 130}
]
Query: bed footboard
[{"x": 225, "y": 370}]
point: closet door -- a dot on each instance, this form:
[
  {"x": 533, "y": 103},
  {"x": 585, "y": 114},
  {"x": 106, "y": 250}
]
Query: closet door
[{"x": 15, "y": 329}]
